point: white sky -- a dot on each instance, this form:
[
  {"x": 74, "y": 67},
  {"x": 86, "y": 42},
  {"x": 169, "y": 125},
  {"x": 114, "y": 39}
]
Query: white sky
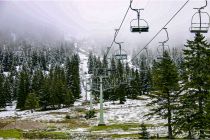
[{"x": 95, "y": 20}]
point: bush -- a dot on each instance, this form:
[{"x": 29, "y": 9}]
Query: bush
[
  {"x": 90, "y": 114},
  {"x": 32, "y": 102},
  {"x": 144, "y": 134},
  {"x": 68, "y": 117}
]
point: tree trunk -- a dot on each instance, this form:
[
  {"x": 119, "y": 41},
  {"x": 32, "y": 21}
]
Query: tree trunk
[
  {"x": 189, "y": 135},
  {"x": 170, "y": 135},
  {"x": 200, "y": 103}
]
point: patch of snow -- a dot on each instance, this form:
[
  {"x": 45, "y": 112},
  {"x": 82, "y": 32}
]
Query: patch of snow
[
  {"x": 84, "y": 76},
  {"x": 6, "y": 73}
]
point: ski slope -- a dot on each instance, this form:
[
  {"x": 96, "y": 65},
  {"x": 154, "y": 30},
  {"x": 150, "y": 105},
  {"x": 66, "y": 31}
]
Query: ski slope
[{"x": 132, "y": 111}]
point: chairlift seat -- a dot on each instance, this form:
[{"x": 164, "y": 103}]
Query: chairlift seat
[
  {"x": 122, "y": 56},
  {"x": 137, "y": 29},
  {"x": 199, "y": 30},
  {"x": 111, "y": 70},
  {"x": 159, "y": 57}
]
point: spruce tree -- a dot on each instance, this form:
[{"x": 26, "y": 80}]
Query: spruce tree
[
  {"x": 44, "y": 93},
  {"x": 75, "y": 88},
  {"x": 144, "y": 75},
  {"x": 90, "y": 63},
  {"x": 113, "y": 67},
  {"x": 68, "y": 98},
  {"x": 23, "y": 89},
  {"x": 121, "y": 90},
  {"x": 7, "y": 90},
  {"x": 68, "y": 69},
  {"x": 144, "y": 134},
  {"x": 207, "y": 110},
  {"x": 195, "y": 81},
  {"x": 2, "y": 95},
  {"x": 164, "y": 95},
  {"x": 32, "y": 102},
  {"x": 133, "y": 87}
]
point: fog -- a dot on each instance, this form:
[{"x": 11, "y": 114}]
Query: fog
[{"x": 92, "y": 22}]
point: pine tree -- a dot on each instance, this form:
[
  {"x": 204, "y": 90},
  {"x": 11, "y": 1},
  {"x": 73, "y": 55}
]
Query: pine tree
[
  {"x": 32, "y": 102},
  {"x": 143, "y": 134},
  {"x": 207, "y": 109},
  {"x": 68, "y": 98},
  {"x": 34, "y": 59},
  {"x": 195, "y": 81},
  {"x": 132, "y": 91},
  {"x": 37, "y": 81},
  {"x": 8, "y": 61},
  {"x": 90, "y": 63},
  {"x": 44, "y": 93},
  {"x": 43, "y": 61},
  {"x": 7, "y": 90},
  {"x": 164, "y": 96},
  {"x": 144, "y": 81},
  {"x": 121, "y": 93},
  {"x": 68, "y": 69},
  {"x": 121, "y": 90},
  {"x": 113, "y": 67},
  {"x": 75, "y": 88},
  {"x": 23, "y": 89},
  {"x": 2, "y": 96},
  {"x": 105, "y": 62}
]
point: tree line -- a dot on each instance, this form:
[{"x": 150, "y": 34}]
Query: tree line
[
  {"x": 177, "y": 84},
  {"x": 39, "y": 77}
]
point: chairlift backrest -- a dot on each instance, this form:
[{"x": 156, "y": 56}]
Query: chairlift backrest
[
  {"x": 198, "y": 25},
  {"x": 142, "y": 27},
  {"x": 138, "y": 25}
]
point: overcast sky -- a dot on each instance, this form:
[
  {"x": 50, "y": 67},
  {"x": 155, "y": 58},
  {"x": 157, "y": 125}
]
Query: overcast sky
[{"x": 95, "y": 20}]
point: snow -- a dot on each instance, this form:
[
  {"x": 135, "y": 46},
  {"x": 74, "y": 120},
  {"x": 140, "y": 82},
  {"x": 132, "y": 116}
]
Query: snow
[
  {"x": 84, "y": 76},
  {"x": 6, "y": 73},
  {"x": 132, "y": 111}
]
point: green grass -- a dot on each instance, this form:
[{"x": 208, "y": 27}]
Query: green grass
[
  {"x": 44, "y": 134},
  {"x": 134, "y": 136},
  {"x": 11, "y": 133},
  {"x": 124, "y": 127}
]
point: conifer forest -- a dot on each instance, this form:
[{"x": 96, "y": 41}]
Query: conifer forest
[{"x": 103, "y": 70}]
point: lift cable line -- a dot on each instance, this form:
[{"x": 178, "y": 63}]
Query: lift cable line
[
  {"x": 160, "y": 30},
  {"x": 109, "y": 48}
]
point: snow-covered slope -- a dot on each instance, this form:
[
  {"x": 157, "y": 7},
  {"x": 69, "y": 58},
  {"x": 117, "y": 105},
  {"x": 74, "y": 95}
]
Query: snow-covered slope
[
  {"x": 132, "y": 111},
  {"x": 84, "y": 76}
]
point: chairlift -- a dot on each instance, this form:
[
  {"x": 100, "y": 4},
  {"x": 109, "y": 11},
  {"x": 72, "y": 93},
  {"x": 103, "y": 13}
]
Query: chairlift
[
  {"x": 163, "y": 46},
  {"x": 197, "y": 22},
  {"x": 119, "y": 54},
  {"x": 144, "y": 60},
  {"x": 138, "y": 25},
  {"x": 161, "y": 49}
]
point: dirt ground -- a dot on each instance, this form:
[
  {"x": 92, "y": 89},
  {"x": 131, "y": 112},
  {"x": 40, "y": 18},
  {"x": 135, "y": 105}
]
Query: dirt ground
[{"x": 24, "y": 125}]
